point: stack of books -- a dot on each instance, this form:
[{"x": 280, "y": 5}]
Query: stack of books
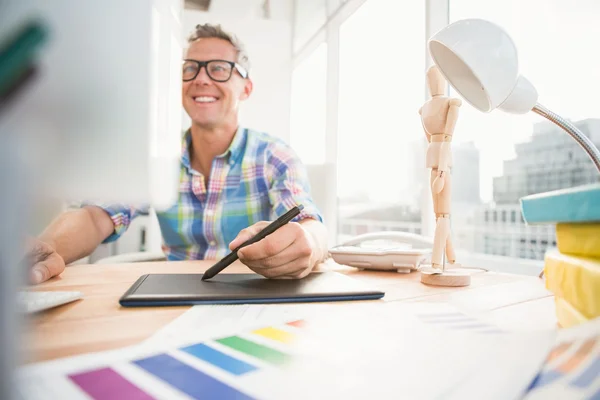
[{"x": 572, "y": 269}]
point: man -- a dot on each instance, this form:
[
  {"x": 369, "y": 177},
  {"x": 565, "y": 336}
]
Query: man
[{"x": 232, "y": 181}]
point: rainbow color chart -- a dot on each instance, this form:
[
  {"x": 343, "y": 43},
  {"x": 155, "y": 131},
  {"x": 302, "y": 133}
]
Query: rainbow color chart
[
  {"x": 572, "y": 370},
  {"x": 213, "y": 369},
  {"x": 286, "y": 357}
]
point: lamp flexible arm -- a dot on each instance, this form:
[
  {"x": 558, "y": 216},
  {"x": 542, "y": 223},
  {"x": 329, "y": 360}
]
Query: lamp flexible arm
[{"x": 572, "y": 130}]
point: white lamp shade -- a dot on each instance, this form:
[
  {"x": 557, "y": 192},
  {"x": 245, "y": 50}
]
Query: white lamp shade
[{"x": 480, "y": 61}]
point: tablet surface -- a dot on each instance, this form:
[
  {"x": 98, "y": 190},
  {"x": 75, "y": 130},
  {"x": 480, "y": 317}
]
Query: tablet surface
[{"x": 189, "y": 289}]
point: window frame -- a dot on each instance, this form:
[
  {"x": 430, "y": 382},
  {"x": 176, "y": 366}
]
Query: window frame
[{"x": 437, "y": 16}]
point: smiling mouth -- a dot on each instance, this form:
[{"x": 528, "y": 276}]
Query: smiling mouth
[{"x": 204, "y": 99}]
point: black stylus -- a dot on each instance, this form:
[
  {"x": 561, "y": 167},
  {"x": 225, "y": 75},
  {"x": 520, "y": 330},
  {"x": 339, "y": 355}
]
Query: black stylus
[{"x": 272, "y": 227}]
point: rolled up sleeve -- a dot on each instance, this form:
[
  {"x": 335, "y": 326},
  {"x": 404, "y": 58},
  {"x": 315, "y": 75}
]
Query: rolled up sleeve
[
  {"x": 121, "y": 215},
  {"x": 289, "y": 184}
]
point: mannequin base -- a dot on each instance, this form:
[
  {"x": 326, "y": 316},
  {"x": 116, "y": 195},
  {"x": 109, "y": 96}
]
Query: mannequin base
[{"x": 449, "y": 277}]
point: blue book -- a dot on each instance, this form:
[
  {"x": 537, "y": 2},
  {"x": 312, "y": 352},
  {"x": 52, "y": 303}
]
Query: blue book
[{"x": 577, "y": 204}]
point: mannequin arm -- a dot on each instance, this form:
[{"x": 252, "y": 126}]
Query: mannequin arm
[
  {"x": 454, "y": 105},
  {"x": 442, "y": 170},
  {"x": 444, "y": 156},
  {"x": 440, "y": 180},
  {"x": 427, "y": 135}
]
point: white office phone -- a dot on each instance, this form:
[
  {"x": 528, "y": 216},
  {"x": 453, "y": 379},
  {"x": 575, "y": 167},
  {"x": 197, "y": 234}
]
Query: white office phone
[{"x": 388, "y": 251}]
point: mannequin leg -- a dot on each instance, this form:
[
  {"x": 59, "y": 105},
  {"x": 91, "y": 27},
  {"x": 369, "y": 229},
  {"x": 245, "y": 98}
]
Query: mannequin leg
[
  {"x": 442, "y": 231},
  {"x": 434, "y": 196},
  {"x": 436, "y": 257},
  {"x": 450, "y": 254},
  {"x": 443, "y": 210}
]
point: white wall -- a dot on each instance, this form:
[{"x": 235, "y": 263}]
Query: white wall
[
  {"x": 278, "y": 9},
  {"x": 268, "y": 44}
]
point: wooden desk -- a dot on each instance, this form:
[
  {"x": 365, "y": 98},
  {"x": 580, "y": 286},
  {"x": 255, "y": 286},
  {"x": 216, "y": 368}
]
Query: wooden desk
[{"x": 98, "y": 322}]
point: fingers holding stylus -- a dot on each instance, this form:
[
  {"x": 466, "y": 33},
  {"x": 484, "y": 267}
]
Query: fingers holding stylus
[
  {"x": 287, "y": 252},
  {"x": 296, "y": 269},
  {"x": 247, "y": 234},
  {"x": 289, "y": 263}
]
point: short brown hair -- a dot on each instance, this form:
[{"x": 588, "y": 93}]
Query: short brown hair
[{"x": 205, "y": 31}]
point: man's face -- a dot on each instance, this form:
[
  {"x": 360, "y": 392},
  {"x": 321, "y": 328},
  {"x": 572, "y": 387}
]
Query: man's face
[{"x": 212, "y": 104}]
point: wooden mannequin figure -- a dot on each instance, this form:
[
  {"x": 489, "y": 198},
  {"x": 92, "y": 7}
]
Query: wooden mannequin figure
[{"x": 439, "y": 115}]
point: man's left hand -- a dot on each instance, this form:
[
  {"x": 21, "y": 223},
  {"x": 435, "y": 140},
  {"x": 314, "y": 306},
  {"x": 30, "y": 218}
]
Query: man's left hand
[{"x": 289, "y": 252}]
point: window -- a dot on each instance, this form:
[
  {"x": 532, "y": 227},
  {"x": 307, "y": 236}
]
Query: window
[
  {"x": 309, "y": 17},
  {"x": 308, "y": 107},
  {"x": 333, "y": 5},
  {"x": 380, "y": 138},
  {"x": 526, "y": 154}
]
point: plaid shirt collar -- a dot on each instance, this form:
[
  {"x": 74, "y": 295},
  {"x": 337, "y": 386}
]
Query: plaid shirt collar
[{"x": 234, "y": 151}]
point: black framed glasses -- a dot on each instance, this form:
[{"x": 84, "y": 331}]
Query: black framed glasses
[{"x": 217, "y": 70}]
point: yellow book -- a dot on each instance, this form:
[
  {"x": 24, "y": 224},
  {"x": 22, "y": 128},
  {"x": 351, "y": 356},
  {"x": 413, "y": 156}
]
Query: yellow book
[
  {"x": 581, "y": 239},
  {"x": 568, "y": 315},
  {"x": 575, "y": 279}
]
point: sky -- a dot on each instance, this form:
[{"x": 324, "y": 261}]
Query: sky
[{"x": 382, "y": 87}]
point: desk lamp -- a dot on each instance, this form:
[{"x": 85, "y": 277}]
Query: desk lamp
[{"x": 479, "y": 60}]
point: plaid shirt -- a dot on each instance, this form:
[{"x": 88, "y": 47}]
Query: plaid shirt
[{"x": 258, "y": 178}]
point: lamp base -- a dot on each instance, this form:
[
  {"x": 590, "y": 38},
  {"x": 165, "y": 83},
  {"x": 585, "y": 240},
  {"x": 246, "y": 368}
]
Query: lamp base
[{"x": 448, "y": 277}]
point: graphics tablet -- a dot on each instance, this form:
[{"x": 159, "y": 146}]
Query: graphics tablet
[{"x": 189, "y": 289}]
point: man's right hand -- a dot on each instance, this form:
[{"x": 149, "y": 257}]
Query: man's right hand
[{"x": 42, "y": 260}]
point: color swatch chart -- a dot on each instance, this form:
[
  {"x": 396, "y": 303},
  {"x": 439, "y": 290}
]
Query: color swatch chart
[
  {"x": 227, "y": 367},
  {"x": 572, "y": 371}
]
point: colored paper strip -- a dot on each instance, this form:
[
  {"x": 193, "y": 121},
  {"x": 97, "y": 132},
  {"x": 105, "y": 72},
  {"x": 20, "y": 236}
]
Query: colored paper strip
[
  {"x": 107, "y": 384},
  {"x": 275, "y": 334},
  {"x": 298, "y": 324},
  {"x": 187, "y": 379},
  {"x": 254, "y": 349},
  {"x": 558, "y": 350},
  {"x": 589, "y": 375},
  {"x": 218, "y": 359},
  {"x": 547, "y": 377},
  {"x": 581, "y": 354},
  {"x": 595, "y": 396}
]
